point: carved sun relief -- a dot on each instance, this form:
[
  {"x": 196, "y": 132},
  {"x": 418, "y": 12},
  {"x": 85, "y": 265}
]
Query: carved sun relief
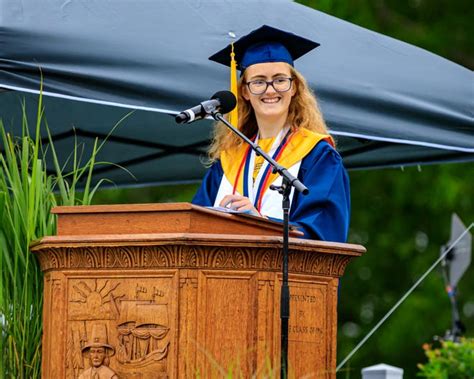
[{"x": 96, "y": 301}]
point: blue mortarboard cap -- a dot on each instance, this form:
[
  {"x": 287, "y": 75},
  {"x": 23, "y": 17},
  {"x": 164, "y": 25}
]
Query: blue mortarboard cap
[{"x": 265, "y": 44}]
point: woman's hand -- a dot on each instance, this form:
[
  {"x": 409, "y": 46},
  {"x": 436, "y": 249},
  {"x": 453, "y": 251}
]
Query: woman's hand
[{"x": 239, "y": 203}]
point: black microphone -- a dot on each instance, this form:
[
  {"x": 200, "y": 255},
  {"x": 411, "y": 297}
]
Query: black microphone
[{"x": 222, "y": 101}]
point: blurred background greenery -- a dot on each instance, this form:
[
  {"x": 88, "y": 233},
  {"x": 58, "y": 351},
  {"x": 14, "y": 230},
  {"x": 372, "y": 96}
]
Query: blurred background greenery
[{"x": 402, "y": 215}]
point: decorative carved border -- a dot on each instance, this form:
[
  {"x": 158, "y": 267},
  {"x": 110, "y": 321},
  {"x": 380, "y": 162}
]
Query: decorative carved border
[{"x": 185, "y": 256}]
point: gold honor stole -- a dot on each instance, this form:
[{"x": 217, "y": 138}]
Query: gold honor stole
[{"x": 300, "y": 143}]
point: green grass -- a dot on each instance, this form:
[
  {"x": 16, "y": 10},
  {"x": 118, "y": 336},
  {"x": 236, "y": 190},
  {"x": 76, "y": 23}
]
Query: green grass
[{"x": 27, "y": 194}]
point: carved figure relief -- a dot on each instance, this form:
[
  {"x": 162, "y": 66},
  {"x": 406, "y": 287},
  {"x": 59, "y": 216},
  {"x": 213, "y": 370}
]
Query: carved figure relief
[{"x": 98, "y": 351}]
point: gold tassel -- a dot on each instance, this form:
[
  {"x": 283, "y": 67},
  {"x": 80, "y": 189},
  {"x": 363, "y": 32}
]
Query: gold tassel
[{"x": 234, "y": 115}]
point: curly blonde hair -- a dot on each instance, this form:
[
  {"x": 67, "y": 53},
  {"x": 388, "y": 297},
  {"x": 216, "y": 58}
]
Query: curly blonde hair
[{"x": 303, "y": 113}]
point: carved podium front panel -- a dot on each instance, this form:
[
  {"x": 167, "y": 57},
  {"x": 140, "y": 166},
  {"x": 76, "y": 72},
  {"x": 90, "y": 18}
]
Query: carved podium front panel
[{"x": 175, "y": 305}]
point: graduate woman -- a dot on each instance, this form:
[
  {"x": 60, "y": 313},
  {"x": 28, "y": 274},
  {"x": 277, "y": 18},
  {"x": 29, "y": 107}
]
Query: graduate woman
[{"x": 278, "y": 111}]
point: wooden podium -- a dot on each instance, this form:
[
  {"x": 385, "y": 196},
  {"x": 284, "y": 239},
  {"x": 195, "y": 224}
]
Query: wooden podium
[{"x": 180, "y": 291}]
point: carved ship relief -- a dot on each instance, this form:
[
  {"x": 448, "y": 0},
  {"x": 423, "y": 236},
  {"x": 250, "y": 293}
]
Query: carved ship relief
[{"x": 142, "y": 333}]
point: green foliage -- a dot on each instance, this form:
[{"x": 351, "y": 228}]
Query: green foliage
[
  {"x": 444, "y": 27},
  {"x": 453, "y": 360},
  {"x": 26, "y": 197},
  {"x": 27, "y": 194}
]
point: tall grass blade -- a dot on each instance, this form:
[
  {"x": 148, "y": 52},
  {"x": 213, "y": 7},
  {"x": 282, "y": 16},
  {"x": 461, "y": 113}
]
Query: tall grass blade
[{"x": 27, "y": 194}]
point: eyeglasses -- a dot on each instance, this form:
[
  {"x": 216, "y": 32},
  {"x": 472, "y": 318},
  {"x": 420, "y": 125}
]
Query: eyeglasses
[{"x": 259, "y": 86}]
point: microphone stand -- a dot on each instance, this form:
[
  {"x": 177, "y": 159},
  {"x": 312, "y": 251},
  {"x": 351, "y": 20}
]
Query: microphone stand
[
  {"x": 457, "y": 326},
  {"x": 288, "y": 182}
]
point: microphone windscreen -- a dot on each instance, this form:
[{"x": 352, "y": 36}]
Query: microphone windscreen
[{"x": 227, "y": 100}]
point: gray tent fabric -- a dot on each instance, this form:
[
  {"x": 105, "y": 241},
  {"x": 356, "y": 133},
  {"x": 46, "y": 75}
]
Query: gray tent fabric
[{"x": 387, "y": 103}]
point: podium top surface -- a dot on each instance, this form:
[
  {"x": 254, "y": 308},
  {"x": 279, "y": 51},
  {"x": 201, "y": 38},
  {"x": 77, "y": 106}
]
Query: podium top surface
[
  {"x": 159, "y": 218},
  {"x": 121, "y": 208}
]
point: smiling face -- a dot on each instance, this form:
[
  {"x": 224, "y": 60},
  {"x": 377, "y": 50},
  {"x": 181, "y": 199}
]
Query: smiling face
[{"x": 271, "y": 104}]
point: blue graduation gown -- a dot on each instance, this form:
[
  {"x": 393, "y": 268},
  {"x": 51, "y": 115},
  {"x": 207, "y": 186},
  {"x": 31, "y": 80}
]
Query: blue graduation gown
[{"x": 324, "y": 213}]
